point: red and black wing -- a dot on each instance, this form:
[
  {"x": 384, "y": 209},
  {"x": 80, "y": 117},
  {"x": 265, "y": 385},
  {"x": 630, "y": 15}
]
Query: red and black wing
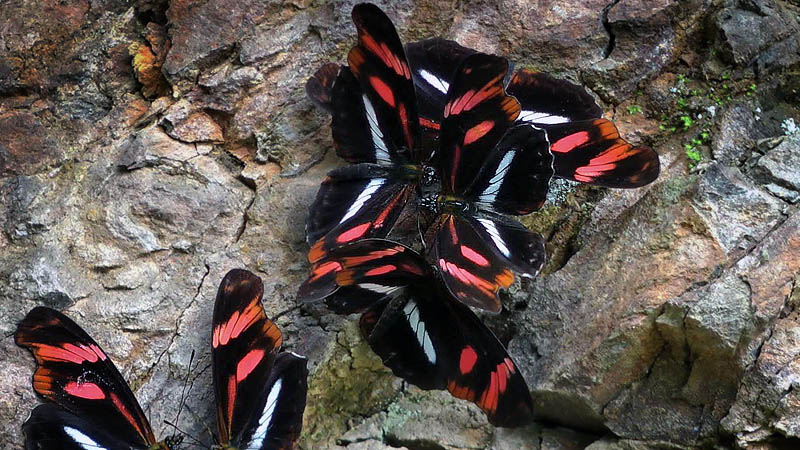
[
  {"x": 338, "y": 271},
  {"x": 424, "y": 335},
  {"x": 387, "y": 97},
  {"x": 476, "y": 115},
  {"x": 549, "y": 101},
  {"x": 319, "y": 87},
  {"x": 593, "y": 152},
  {"x": 244, "y": 345},
  {"x": 516, "y": 175},
  {"x": 433, "y": 65},
  {"x": 73, "y": 372},
  {"x": 355, "y": 202},
  {"x": 478, "y": 255}
]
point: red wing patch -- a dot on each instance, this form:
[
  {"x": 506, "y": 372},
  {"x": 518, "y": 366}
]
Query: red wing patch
[{"x": 593, "y": 152}]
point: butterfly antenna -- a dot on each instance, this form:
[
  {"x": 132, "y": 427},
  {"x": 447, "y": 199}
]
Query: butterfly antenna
[
  {"x": 295, "y": 308},
  {"x": 183, "y": 389}
]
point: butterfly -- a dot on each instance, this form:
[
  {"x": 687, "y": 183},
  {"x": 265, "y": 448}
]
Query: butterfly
[
  {"x": 260, "y": 392},
  {"x": 421, "y": 332},
  {"x": 92, "y": 406},
  {"x": 585, "y": 147},
  {"x": 375, "y": 127}
]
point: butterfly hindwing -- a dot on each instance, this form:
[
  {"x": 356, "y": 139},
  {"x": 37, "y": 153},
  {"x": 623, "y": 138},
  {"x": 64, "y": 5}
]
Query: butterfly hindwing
[
  {"x": 516, "y": 175},
  {"x": 244, "y": 344},
  {"x": 433, "y": 64},
  {"x": 548, "y": 101},
  {"x": 76, "y": 374},
  {"x": 277, "y": 425},
  {"x": 476, "y": 115},
  {"x": 478, "y": 255},
  {"x": 379, "y": 64},
  {"x": 592, "y": 151}
]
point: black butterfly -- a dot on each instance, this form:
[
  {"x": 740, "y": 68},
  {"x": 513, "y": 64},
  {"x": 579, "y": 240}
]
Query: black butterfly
[{"x": 418, "y": 329}]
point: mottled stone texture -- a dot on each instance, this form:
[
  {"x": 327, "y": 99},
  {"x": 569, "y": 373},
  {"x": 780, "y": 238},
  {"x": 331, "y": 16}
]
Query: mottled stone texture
[{"x": 148, "y": 147}]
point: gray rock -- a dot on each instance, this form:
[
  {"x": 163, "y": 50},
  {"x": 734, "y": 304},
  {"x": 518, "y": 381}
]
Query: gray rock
[
  {"x": 780, "y": 167},
  {"x": 737, "y": 213}
]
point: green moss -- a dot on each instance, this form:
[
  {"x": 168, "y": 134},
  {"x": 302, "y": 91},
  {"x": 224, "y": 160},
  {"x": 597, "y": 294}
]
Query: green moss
[
  {"x": 634, "y": 109},
  {"x": 351, "y": 381}
]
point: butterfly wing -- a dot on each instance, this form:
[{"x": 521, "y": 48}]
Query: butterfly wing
[
  {"x": 244, "y": 344},
  {"x": 433, "y": 64},
  {"x": 74, "y": 372},
  {"x": 334, "y": 278},
  {"x": 476, "y": 115},
  {"x": 592, "y": 151},
  {"x": 379, "y": 64},
  {"x": 319, "y": 87},
  {"x": 515, "y": 177},
  {"x": 479, "y": 255},
  {"x": 548, "y": 101},
  {"x": 355, "y": 202}
]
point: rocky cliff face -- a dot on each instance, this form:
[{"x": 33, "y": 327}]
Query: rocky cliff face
[{"x": 148, "y": 148}]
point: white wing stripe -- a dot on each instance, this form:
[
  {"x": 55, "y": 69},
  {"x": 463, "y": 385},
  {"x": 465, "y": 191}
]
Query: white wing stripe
[
  {"x": 381, "y": 152},
  {"x": 438, "y": 83},
  {"x": 362, "y": 198},
  {"x": 490, "y": 193},
  {"x": 495, "y": 235},
  {"x": 260, "y": 435},
  {"x": 82, "y": 439},
  {"x": 418, "y": 326},
  {"x": 540, "y": 117}
]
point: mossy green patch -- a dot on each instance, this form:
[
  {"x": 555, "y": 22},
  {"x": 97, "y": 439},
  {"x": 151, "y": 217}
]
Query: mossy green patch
[{"x": 350, "y": 382}]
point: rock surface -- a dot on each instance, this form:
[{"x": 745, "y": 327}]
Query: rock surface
[{"x": 149, "y": 147}]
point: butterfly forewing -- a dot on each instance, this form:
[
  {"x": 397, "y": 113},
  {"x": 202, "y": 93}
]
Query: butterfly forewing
[
  {"x": 476, "y": 115},
  {"x": 433, "y": 64},
  {"x": 593, "y": 152},
  {"x": 548, "y": 101},
  {"x": 244, "y": 344},
  {"x": 76, "y": 374},
  {"x": 516, "y": 175},
  {"x": 379, "y": 63}
]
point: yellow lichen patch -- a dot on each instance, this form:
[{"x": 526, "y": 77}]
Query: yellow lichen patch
[{"x": 148, "y": 71}]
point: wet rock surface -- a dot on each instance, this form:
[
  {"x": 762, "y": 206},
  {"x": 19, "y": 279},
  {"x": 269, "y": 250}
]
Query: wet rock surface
[{"x": 146, "y": 148}]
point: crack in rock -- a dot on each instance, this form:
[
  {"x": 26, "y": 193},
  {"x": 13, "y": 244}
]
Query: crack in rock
[{"x": 612, "y": 38}]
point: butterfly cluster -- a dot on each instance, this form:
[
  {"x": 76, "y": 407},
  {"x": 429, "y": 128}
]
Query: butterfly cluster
[
  {"x": 451, "y": 134},
  {"x": 260, "y": 391}
]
